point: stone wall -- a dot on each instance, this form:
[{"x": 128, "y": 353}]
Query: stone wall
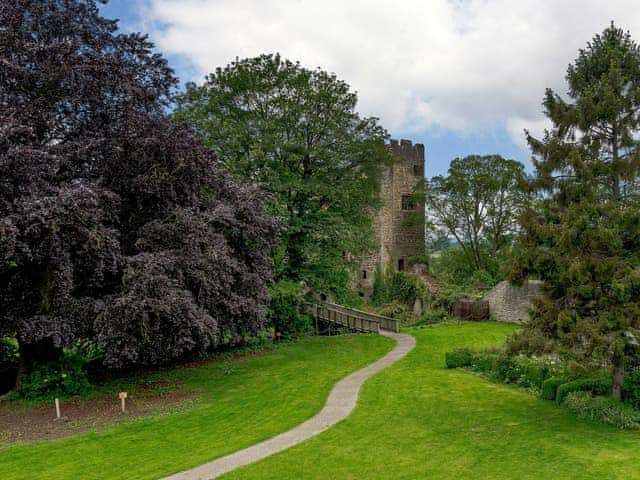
[
  {"x": 397, "y": 241},
  {"x": 509, "y": 303}
]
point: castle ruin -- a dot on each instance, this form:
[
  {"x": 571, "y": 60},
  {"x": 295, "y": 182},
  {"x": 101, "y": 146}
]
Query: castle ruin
[{"x": 398, "y": 237}]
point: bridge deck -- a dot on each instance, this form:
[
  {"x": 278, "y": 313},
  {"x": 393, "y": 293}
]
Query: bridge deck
[{"x": 353, "y": 319}]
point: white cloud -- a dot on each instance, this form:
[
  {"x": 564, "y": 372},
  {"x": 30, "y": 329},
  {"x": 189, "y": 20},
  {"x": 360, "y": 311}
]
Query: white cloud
[{"x": 420, "y": 65}]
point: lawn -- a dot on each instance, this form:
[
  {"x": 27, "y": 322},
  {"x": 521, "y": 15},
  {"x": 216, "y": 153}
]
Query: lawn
[
  {"x": 238, "y": 404},
  {"x": 417, "y": 420}
]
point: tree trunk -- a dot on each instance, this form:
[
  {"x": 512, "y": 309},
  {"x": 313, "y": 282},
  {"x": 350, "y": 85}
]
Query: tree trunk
[{"x": 618, "y": 381}]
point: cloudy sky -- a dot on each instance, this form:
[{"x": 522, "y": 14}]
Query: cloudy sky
[{"x": 460, "y": 76}]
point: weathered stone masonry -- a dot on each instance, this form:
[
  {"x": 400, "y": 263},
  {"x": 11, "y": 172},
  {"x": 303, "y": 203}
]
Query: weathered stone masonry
[
  {"x": 510, "y": 303},
  {"x": 397, "y": 241}
]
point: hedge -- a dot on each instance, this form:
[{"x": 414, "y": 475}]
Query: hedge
[
  {"x": 460, "y": 357},
  {"x": 550, "y": 386},
  {"x": 484, "y": 362},
  {"x": 598, "y": 385}
]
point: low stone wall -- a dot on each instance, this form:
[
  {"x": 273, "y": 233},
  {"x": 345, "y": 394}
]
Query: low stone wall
[{"x": 509, "y": 303}]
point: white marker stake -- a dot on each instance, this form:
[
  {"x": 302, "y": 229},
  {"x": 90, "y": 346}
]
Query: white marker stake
[
  {"x": 57, "y": 409},
  {"x": 122, "y": 396}
]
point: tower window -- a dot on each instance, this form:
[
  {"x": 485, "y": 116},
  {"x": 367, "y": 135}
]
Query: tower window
[
  {"x": 364, "y": 274},
  {"x": 408, "y": 203},
  {"x": 417, "y": 169},
  {"x": 400, "y": 264}
]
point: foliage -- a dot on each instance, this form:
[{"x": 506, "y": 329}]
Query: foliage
[
  {"x": 457, "y": 358},
  {"x": 418, "y": 259},
  {"x": 551, "y": 384},
  {"x": 115, "y": 223},
  {"x": 526, "y": 342},
  {"x": 484, "y": 361},
  {"x": 501, "y": 367},
  {"x": 393, "y": 286},
  {"x": 458, "y": 278},
  {"x": 631, "y": 389},
  {"x": 61, "y": 379},
  {"x": 297, "y": 130},
  {"x": 601, "y": 409},
  {"x": 286, "y": 307},
  {"x": 448, "y": 294},
  {"x": 522, "y": 371},
  {"x": 581, "y": 236},
  {"x": 431, "y": 317},
  {"x": 477, "y": 203},
  {"x": 9, "y": 362},
  {"x": 597, "y": 384},
  {"x": 397, "y": 310}
]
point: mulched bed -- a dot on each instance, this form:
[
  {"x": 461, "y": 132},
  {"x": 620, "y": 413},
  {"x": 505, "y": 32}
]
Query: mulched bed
[
  {"x": 20, "y": 423},
  {"x": 24, "y": 423}
]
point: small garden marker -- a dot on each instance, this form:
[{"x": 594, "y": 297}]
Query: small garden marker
[
  {"x": 122, "y": 396},
  {"x": 57, "y": 402}
]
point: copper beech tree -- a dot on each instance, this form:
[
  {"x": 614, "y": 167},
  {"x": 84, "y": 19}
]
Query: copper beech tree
[{"x": 116, "y": 224}]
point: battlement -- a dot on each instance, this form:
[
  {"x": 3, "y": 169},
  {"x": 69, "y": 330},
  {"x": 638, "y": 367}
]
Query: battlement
[{"x": 406, "y": 150}]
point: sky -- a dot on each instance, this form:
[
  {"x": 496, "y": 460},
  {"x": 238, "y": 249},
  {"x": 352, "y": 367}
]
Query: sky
[{"x": 460, "y": 76}]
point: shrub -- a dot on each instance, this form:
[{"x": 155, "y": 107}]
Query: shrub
[
  {"x": 392, "y": 286},
  {"x": 460, "y": 357},
  {"x": 452, "y": 267},
  {"x": 65, "y": 378},
  {"x": 429, "y": 318},
  {"x": 484, "y": 362},
  {"x": 418, "y": 259},
  {"x": 9, "y": 360},
  {"x": 526, "y": 342},
  {"x": 395, "y": 310},
  {"x": 550, "y": 386},
  {"x": 631, "y": 389},
  {"x": 599, "y": 384},
  {"x": 520, "y": 371},
  {"x": 534, "y": 373},
  {"x": 602, "y": 409},
  {"x": 448, "y": 295},
  {"x": 285, "y": 309},
  {"x": 505, "y": 369}
]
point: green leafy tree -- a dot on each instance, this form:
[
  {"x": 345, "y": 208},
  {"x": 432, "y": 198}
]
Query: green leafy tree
[
  {"x": 477, "y": 203},
  {"x": 296, "y": 130},
  {"x": 582, "y": 237}
]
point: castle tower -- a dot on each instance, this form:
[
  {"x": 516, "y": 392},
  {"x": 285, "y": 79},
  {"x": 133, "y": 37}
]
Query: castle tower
[{"x": 399, "y": 239}]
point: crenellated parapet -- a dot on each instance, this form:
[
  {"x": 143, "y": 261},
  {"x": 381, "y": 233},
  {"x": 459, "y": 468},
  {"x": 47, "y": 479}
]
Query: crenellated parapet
[{"x": 406, "y": 150}]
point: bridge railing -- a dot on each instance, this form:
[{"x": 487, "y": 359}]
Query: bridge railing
[{"x": 352, "y": 318}]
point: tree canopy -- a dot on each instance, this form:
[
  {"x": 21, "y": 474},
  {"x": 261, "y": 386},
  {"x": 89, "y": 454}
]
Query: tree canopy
[
  {"x": 582, "y": 236},
  {"x": 297, "y": 131},
  {"x": 477, "y": 203},
  {"x": 116, "y": 224}
]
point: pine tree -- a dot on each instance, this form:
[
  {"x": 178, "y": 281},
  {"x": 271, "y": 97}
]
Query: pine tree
[{"x": 582, "y": 236}]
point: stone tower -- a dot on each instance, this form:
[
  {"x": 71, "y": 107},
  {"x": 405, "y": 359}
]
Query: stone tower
[{"x": 398, "y": 240}]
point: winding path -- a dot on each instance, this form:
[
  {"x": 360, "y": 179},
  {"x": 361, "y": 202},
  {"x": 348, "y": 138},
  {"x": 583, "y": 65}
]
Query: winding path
[{"x": 341, "y": 402}]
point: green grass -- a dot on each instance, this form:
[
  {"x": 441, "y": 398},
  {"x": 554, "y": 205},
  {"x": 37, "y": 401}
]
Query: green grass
[
  {"x": 417, "y": 420},
  {"x": 238, "y": 404}
]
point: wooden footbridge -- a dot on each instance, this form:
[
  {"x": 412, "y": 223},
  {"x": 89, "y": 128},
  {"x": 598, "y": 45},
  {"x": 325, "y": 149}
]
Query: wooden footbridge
[{"x": 351, "y": 318}]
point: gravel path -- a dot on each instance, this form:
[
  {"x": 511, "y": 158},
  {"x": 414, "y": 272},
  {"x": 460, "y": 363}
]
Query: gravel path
[{"x": 341, "y": 402}]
